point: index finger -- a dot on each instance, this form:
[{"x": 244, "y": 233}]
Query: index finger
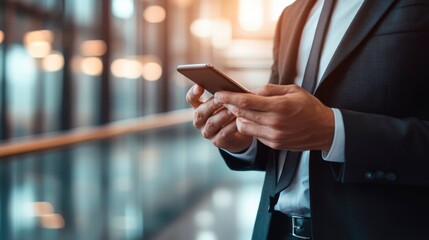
[{"x": 244, "y": 100}]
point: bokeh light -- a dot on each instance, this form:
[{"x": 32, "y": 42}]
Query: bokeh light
[
  {"x": 202, "y": 28},
  {"x": 251, "y": 14},
  {"x": 152, "y": 71},
  {"x": 93, "y": 48},
  {"x": 38, "y": 43},
  {"x": 1, "y": 37},
  {"x": 154, "y": 14},
  {"x": 91, "y": 66},
  {"x": 126, "y": 68},
  {"x": 53, "y": 62}
]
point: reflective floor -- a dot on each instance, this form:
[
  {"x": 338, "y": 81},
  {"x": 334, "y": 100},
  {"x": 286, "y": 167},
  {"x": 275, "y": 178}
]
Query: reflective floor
[
  {"x": 164, "y": 184},
  {"x": 226, "y": 212}
]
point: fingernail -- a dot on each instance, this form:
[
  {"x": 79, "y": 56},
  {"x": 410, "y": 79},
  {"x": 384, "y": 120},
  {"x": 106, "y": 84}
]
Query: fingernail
[
  {"x": 195, "y": 89},
  {"x": 216, "y": 98}
]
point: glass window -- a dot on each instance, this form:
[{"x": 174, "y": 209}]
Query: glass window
[{"x": 88, "y": 48}]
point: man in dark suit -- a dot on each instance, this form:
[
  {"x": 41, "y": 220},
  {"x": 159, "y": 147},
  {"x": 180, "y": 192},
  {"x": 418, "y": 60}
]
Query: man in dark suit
[{"x": 360, "y": 131}]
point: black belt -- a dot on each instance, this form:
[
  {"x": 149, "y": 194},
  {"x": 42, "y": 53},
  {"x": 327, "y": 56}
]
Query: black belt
[{"x": 282, "y": 227}]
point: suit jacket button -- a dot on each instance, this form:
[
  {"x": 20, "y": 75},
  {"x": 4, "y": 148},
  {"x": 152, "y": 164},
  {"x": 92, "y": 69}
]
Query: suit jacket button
[
  {"x": 369, "y": 176},
  {"x": 390, "y": 176}
]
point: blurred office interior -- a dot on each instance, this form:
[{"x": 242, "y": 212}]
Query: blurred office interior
[{"x": 96, "y": 138}]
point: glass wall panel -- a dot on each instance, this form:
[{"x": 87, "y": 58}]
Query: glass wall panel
[
  {"x": 87, "y": 48},
  {"x": 34, "y": 64},
  {"x": 126, "y": 66}
]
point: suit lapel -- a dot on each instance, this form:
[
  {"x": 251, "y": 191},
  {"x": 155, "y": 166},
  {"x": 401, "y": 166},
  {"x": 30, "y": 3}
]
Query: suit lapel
[
  {"x": 367, "y": 17},
  {"x": 291, "y": 31}
]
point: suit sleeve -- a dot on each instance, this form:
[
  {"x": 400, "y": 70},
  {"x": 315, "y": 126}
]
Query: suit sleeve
[
  {"x": 383, "y": 149},
  {"x": 263, "y": 153}
]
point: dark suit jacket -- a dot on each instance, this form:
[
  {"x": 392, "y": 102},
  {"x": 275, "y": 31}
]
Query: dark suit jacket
[{"x": 379, "y": 79}]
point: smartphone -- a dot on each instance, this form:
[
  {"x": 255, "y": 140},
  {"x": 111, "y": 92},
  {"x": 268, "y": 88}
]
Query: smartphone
[{"x": 210, "y": 78}]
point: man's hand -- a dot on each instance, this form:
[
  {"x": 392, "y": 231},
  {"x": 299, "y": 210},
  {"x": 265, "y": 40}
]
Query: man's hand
[
  {"x": 216, "y": 123},
  {"x": 282, "y": 117}
]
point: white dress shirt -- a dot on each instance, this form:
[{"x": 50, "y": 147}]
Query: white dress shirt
[{"x": 295, "y": 199}]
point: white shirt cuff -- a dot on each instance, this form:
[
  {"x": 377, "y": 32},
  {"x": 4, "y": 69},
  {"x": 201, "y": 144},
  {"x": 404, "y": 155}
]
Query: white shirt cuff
[
  {"x": 336, "y": 153},
  {"x": 249, "y": 154}
]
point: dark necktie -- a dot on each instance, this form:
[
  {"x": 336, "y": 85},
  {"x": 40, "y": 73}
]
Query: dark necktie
[
  {"x": 271, "y": 189},
  {"x": 312, "y": 69}
]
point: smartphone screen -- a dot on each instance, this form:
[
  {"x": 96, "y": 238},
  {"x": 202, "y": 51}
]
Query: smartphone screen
[{"x": 210, "y": 78}]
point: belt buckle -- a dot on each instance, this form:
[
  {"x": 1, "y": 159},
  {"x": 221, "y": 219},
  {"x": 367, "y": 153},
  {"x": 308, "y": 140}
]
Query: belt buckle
[{"x": 296, "y": 227}]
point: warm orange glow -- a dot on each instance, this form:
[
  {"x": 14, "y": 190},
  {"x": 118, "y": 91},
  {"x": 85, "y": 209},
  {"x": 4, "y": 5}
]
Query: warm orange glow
[
  {"x": 42, "y": 208},
  {"x": 277, "y": 7},
  {"x": 91, "y": 66},
  {"x": 154, "y": 14},
  {"x": 202, "y": 28},
  {"x": 152, "y": 71},
  {"x": 53, "y": 62},
  {"x": 39, "y": 49},
  {"x": 143, "y": 59},
  {"x": 182, "y": 3},
  {"x": 52, "y": 221},
  {"x": 126, "y": 68},
  {"x": 251, "y": 15},
  {"x": 222, "y": 33},
  {"x": 44, "y": 212},
  {"x": 93, "y": 48},
  {"x": 38, "y": 43},
  {"x": 219, "y": 30},
  {"x": 1, "y": 37},
  {"x": 38, "y": 36}
]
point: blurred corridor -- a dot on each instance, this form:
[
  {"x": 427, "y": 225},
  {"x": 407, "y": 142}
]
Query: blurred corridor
[{"x": 96, "y": 138}]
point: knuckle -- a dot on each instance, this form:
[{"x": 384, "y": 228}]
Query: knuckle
[
  {"x": 205, "y": 133},
  {"x": 223, "y": 135},
  {"x": 218, "y": 141},
  {"x": 209, "y": 125},
  {"x": 244, "y": 103},
  {"x": 195, "y": 123},
  {"x": 198, "y": 116},
  {"x": 198, "y": 122},
  {"x": 275, "y": 122}
]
